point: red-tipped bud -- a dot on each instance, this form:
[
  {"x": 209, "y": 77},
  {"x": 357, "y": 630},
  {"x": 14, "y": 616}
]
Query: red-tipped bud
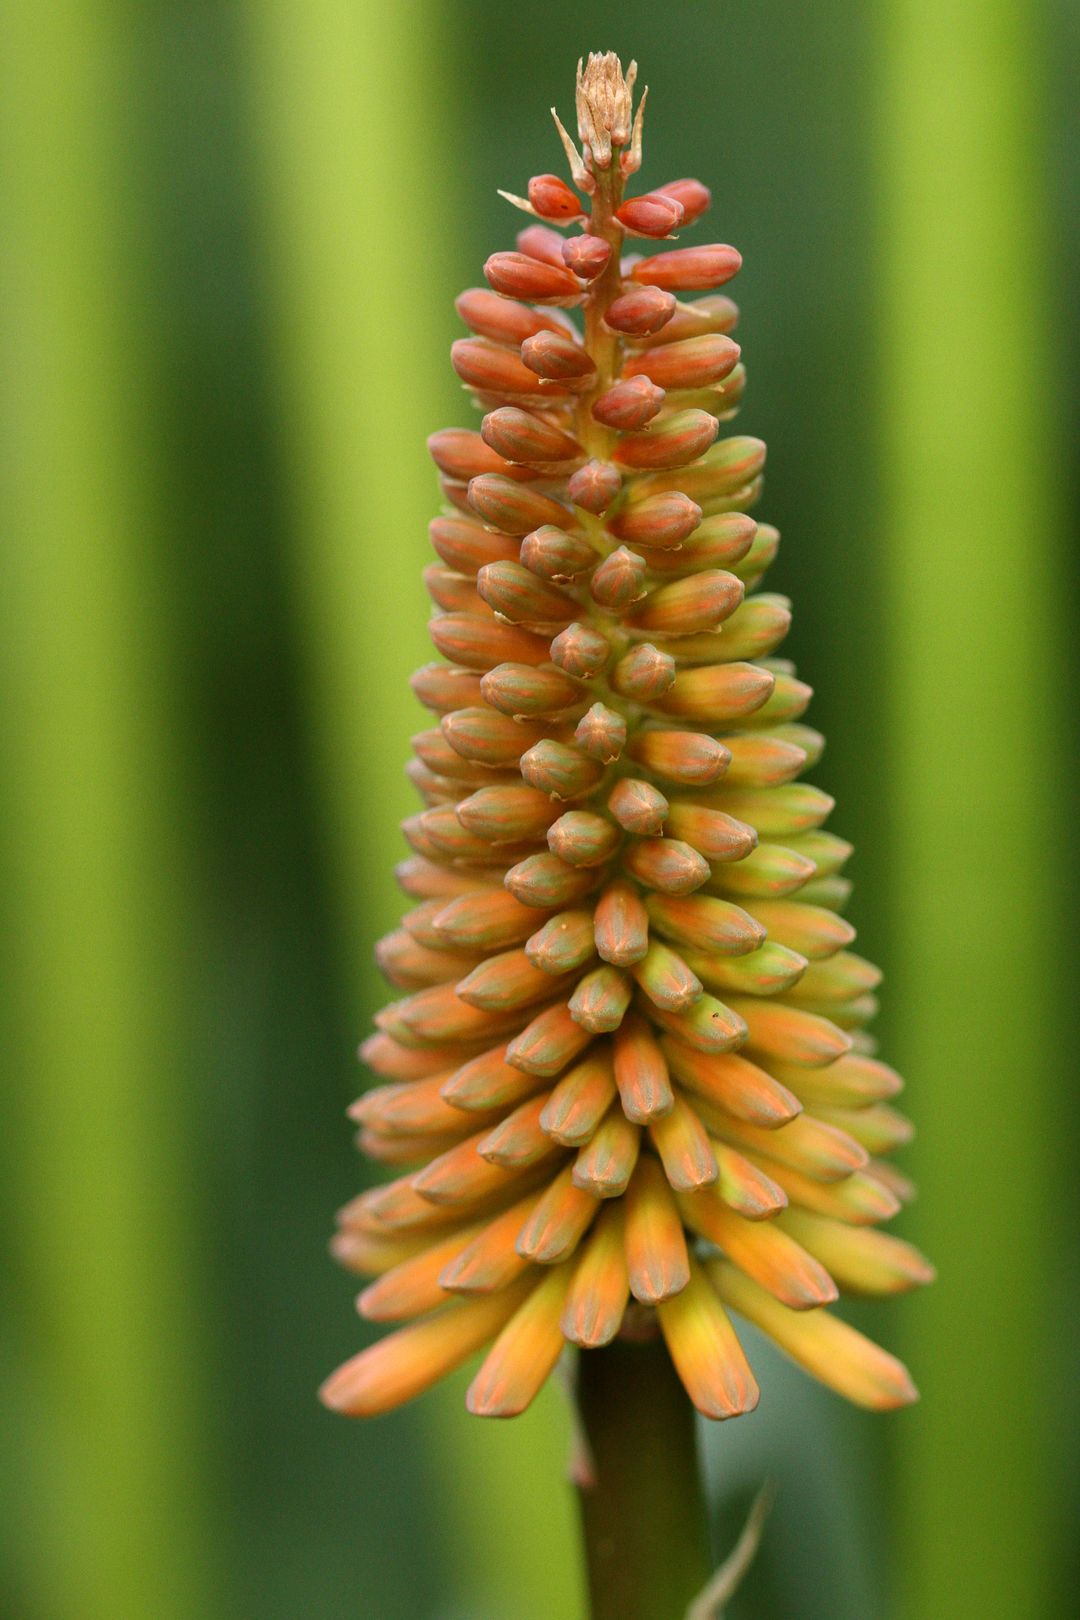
[
  {"x": 693, "y": 363},
  {"x": 622, "y": 925},
  {"x": 666, "y": 864},
  {"x": 462, "y": 454},
  {"x": 552, "y": 197},
  {"x": 518, "y": 436},
  {"x": 586, "y": 256},
  {"x": 601, "y": 733},
  {"x": 638, "y": 806},
  {"x": 694, "y": 197},
  {"x": 581, "y": 838},
  {"x": 644, "y": 673},
  {"x": 466, "y": 545},
  {"x": 660, "y": 520},
  {"x": 520, "y": 596},
  {"x": 631, "y": 403},
  {"x": 492, "y": 369},
  {"x": 512, "y": 507},
  {"x": 681, "y": 756},
  {"x": 679, "y": 439},
  {"x": 493, "y": 317},
  {"x": 540, "y": 243},
  {"x": 640, "y": 311},
  {"x": 580, "y": 650},
  {"x": 619, "y": 580},
  {"x": 551, "y": 553},
  {"x": 594, "y": 486},
  {"x": 655, "y": 214},
  {"x": 481, "y": 643},
  {"x": 689, "y": 269},
  {"x": 521, "y": 689},
  {"x": 558, "y": 358},
  {"x": 560, "y": 771},
  {"x": 517, "y": 275},
  {"x": 699, "y": 602}
]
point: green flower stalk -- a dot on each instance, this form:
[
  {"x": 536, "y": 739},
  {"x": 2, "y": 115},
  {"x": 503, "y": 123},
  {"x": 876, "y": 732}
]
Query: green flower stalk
[{"x": 628, "y": 1088}]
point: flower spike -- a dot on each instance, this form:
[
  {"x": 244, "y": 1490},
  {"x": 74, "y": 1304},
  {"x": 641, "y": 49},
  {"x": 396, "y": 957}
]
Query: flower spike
[{"x": 626, "y": 1086}]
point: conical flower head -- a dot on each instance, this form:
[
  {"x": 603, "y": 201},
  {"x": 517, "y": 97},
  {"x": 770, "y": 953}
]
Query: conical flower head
[{"x": 627, "y": 1086}]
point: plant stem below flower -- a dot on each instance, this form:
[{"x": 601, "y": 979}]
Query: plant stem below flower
[{"x": 643, "y": 1509}]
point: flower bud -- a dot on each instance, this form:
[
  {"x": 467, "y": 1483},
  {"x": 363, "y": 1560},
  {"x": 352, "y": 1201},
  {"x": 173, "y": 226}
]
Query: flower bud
[
  {"x": 619, "y": 580},
  {"x": 512, "y": 507},
  {"x": 465, "y": 545},
  {"x": 501, "y": 982},
  {"x": 586, "y": 256},
  {"x": 693, "y": 363},
  {"x": 512, "y": 813},
  {"x": 681, "y": 756},
  {"x": 461, "y": 455},
  {"x": 481, "y": 643},
  {"x": 544, "y": 880},
  {"x": 487, "y": 737},
  {"x": 656, "y": 1255},
  {"x": 752, "y": 631},
  {"x": 630, "y": 403},
  {"x": 661, "y": 521},
  {"x": 580, "y": 651},
  {"x": 674, "y": 441},
  {"x": 443, "y": 687},
  {"x": 666, "y": 979},
  {"x": 716, "y": 313},
  {"x": 491, "y": 368},
  {"x": 719, "y": 837},
  {"x": 726, "y": 470},
  {"x": 652, "y": 215},
  {"x": 699, "y": 602},
  {"x": 716, "y": 692},
  {"x": 718, "y": 542},
  {"x": 606, "y": 1163},
  {"x": 769, "y": 871},
  {"x": 638, "y": 312},
  {"x": 484, "y": 920},
  {"x": 552, "y": 197},
  {"x": 517, "y": 275},
  {"x": 705, "y": 923},
  {"x": 540, "y": 243},
  {"x": 518, "y": 436},
  {"x": 601, "y": 1000},
  {"x": 496, "y": 318},
  {"x": 601, "y": 733},
  {"x": 521, "y": 689},
  {"x": 622, "y": 925},
  {"x": 551, "y": 553},
  {"x": 558, "y": 770},
  {"x": 558, "y": 358},
  {"x": 667, "y": 864},
  {"x": 638, "y": 806},
  {"x": 453, "y": 592},
  {"x": 761, "y": 554},
  {"x": 547, "y": 1044},
  {"x": 518, "y": 595},
  {"x": 581, "y": 838},
  {"x": 594, "y": 486},
  {"x": 688, "y": 269},
  {"x": 694, "y": 197},
  {"x": 644, "y": 673},
  {"x": 564, "y": 942}
]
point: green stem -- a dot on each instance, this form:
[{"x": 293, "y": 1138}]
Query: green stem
[{"x": 643, "y": 1510}]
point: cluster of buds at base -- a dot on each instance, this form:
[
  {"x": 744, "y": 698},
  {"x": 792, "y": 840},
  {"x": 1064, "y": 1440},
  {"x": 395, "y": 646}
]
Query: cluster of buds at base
[{"x": 627, "y": 1085}]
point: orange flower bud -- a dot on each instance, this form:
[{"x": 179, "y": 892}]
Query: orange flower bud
[
  {"x": 548, "y": 1044},
  {"x": 716, "y": 692},
  {"x": 638, "y": 806},
  {"x": 538, "y": 242},
  {"x": 462, "y": 455},
  {"x": 683, "y": 1145},
  {"x": 582, "y": 839},
  {"x": 601, "y": 999},
  {"x": 544, "y": 880},
  {"x": 563, "y": 772},
  {"x": 604, "y": 1166},
  {"x": 641, "y": 1073},
  {"x": 619, "y": 580},
  {"x": 601, "y": 733},
  {"x": 688, "y": 269},
  {"x": 512, "y": 507},
  {"x": 655, "y": 214},
  {"x": 552, "y": 197},
  {"x": 444, "y": 686},
  {"x": 681, "y": 756},
  {"x": 622, "y": 925},
  {"x": 667, "y": 864},
  {"x": 517, "y": 275},
  {"x": 491, "y": 368},
  {"x": 500, "y": 982},
  {"x": 672, "y": 442},
  {"x": 507, "y": 814},
  {"x": 518, "y": 595},
  {"x": 579, "y": 1101},
  {"x": 487, "y": 737},
  {"x": 558, "y": 358},
  {"x": 494, "y": 317},
  {"x": 481, "y": 643},
  {"x": 551, "y": 553},
  {"x": 643, "y": 674},
  {"x": 465, "y": 545},
  {"x": 521, "y": 689},
  {"x": 594, "y": 486},
  {"x": 700, "y": 602},
  {"x": 564, "y": 942},
  {"x": 693, "y": 363},
  {"x": 660, "y": 521},
  {"x": 666, "y": 979},
  {"x": 580, "y": 650},
  {"x": 705, "y": 923},
  {"x": 691, "y": 194},
  {"x": 518, "y": 436},
  {"x": 586, "y": 256},
  {"x": 656, "y": 1253},
  {"x": 714, "y": 314},
  {"x": 640, "y": 311},
  {"x": 631, "y": 403}
]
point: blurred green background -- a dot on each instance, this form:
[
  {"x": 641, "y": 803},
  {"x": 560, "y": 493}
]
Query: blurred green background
[{"x": 231, "y": 239}]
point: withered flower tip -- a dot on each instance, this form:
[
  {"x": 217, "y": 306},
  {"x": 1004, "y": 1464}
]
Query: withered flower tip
[{"x": 628, "y": 1084}]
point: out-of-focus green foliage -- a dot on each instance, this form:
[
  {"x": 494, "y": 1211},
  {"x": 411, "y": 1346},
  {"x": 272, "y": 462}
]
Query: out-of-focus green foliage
[{"x": 231, "y": 238}]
